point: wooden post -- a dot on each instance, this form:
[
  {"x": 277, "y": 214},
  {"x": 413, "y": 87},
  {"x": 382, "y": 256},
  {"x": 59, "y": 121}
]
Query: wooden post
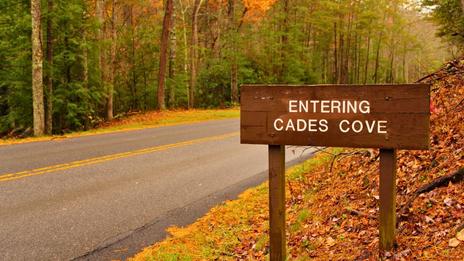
[
  {"x": 387, "y": 199},
  {"x": 277, "y": 202}
]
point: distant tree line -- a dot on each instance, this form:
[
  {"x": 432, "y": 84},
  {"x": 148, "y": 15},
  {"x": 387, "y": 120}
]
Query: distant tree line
[
  {"x": 449, "y": 15},
  {"x": 71, "y": 64}
]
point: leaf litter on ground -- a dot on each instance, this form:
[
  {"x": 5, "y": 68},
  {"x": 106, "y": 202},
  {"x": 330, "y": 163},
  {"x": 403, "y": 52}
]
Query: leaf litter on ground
[{"x": 333, "y": 204}]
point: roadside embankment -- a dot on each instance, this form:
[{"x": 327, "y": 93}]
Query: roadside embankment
[
  {"x": 332, "y": 201},
  {"x": 138, "y": 121}
]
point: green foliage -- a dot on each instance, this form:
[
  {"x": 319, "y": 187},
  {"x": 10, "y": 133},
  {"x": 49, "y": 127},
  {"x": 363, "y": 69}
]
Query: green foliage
[
  {"x": 15, "y": 68},
  {"x": 449, "y": 14},
  {"x": 215, "y": 84},
  {"x": 305, "y": 41}
]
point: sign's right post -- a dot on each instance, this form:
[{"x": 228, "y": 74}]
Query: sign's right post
[{"x": 387, "y": 199}]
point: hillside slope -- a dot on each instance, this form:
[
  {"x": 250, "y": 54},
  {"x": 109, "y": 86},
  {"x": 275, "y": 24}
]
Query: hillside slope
[{"x": 332, "y": 201}]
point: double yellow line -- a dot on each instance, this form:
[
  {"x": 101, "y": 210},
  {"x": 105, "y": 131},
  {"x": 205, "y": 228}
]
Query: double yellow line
[{"x": 91, "y": 161}]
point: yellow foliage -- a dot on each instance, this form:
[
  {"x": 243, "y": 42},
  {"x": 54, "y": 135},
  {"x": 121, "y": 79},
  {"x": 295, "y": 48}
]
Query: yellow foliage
[{"x": 257, "y": 8}]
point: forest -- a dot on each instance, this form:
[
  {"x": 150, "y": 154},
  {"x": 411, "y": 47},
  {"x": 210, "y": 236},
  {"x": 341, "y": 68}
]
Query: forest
[{"x": 72, "y": 64}]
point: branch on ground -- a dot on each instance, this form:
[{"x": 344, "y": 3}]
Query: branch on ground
[
  {"x": 342, "y": 155},
  {"x": 359, "y": 213},
  {"x": 455, "y": 177}
]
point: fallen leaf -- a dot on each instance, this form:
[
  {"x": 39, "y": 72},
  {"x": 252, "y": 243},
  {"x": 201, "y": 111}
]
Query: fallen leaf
[
  {"x": 428, "y": 219},
  {"x": 460, "y": 235},
  {"x": 330, "y": 241},
  {"x": 448, "y": 202},
  {"x": 454, "y": 242}
]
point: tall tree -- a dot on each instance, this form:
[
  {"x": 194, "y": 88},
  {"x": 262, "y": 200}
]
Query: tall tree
[
  {"x": 283, "y": 73},
  {"x": 99, "y": 14},
  {"x": 169, "y": 9},
  {"x": 49, "y": 78},
  {"x": 194, "y": 53},
  {"x": 234, "y": 65},
  {"x": 37, "y": 69},
  {"x": 172, "y": 61},
  {"x": 104, "y": 44},
  {"x": 183, "y": 10},
  {"x": 111, "y": 73},
  {"x": 103, "y": 67}
]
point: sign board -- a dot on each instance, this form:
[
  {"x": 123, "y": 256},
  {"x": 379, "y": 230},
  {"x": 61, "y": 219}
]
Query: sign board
[
  {"x": 364, "y": 116},
  {"x": 388, "y": 117}
]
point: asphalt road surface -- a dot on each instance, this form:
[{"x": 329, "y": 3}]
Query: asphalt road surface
[{"x": 107, "y": 196}]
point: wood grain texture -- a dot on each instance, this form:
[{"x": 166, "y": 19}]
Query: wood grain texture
[
  {"x": 277, "y": 202},
  {"x": 405, "y": 107},
  {"x": 387, "y": 199}
]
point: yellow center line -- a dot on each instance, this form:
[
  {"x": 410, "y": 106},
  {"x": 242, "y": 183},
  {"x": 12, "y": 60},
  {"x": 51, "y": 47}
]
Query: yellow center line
[{"x": 92, "y": 161}]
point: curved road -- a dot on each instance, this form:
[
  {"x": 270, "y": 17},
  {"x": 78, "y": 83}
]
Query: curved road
[{"x": 107, "y": 196}]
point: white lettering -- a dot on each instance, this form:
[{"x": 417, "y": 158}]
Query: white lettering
[
  {"x": 301, "y": 125},
  {"x": 366, "y": 109},
  {"x": 325, "y": 106},
  {"x": 314, "y": 103},
  {"x": 281, "y": 124},
  {"x": 382, "y": 127},
  {"x": 341, "y": 126},
  {"x": 329, "y": 106},
  {"x": 324, "y": 126},
  {"x": 292, "y": 106},
  {"x": 312, "y": 125},
  {"x": 290, "y": 125},
  {"x": 351, "y": 107},
  {"x": 336, "y": 105},
  {"x": 303, "y": 106},
  {"x": 357, "y": 126},
  {"x": 370, "y": 127}
]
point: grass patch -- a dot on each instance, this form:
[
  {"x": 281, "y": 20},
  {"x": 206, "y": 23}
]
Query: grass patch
[{"x": 139, "y": 121}]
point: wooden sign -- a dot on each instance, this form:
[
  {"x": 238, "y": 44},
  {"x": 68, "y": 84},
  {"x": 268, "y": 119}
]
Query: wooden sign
[
  {"x": 369, "y": 116},
  {"x": 388, "y": 117}
]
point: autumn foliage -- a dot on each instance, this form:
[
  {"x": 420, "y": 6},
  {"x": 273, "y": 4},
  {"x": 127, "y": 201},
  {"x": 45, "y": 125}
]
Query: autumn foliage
[
  {"x": 332, "y": 201},
  {"x": 257, "y": 8}
]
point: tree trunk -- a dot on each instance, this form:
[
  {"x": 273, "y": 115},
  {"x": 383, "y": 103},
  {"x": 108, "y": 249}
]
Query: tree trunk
[
  {"x": 133, "y": 62},
  {"x": 185, "y": 41},
  {"x": 164, "y": 53},
  {"x": 358, "y": 59},
  {"x": 405, "y": 64},
  {"x": 99, "y": 13},
  {"x": 335, "y": 73},
  {"x": 172, "y": 61},
  {"x": 347, "y": 59},
  {"x": 49, "y": 78},
  {"x": 234, "y": 66},
  {"x": 366, "y": 65},
  {"x": 377, "y": 57},
  {"x": 194, "y": 53},
  {"x": 284, "y": 40},
  {"x": 462, "y": 5},
  {"x": 341, "y": 50},
  {"x": 109, "y": 112},
  {"x": 37, "y": 70},
  {"x": 85, "y": 62}
]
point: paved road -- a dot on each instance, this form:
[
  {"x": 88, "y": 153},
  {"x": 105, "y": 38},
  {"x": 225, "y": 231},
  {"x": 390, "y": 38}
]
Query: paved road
[{"x": 107, "y": 196}]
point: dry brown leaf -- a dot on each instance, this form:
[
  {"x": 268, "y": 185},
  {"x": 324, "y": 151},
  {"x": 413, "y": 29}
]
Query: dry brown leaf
[
  {"x": 460, "y": 235},
  {"x": 330, "y": 241},
  {"x": 454, "y": 242}
]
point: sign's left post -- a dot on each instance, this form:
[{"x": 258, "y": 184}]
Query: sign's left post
[{"x": 277, "y": 202}]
